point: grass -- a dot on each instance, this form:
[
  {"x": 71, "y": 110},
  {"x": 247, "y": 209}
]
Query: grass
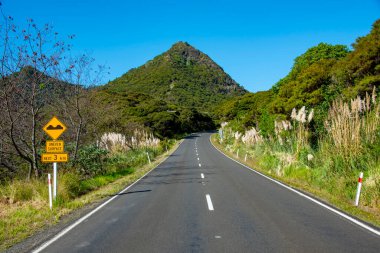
[
  {"x": 24, "y": 205},
  {"x": 335, "y": 189}
]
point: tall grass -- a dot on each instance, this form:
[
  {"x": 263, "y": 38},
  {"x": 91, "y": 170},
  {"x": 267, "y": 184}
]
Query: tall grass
[
  {"x": 352, "y": 125},
  {"x": 351, "y": 143}
]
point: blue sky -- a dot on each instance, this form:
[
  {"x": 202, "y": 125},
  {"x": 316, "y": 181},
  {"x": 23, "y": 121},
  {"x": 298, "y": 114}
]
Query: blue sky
[{"x": 254, "y": 41}]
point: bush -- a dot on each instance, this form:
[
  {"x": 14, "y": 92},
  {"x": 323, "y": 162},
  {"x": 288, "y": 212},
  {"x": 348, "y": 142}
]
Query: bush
[
  {"x": 70, "y": 185},
  {"x": 18, "y": 191},
  {"x": 91, "y": 161}
]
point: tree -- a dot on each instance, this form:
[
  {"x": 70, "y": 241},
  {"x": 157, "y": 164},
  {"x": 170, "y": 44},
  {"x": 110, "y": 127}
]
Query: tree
[
  {"x": 322, "y": 51},
  {"x": 359, "y": 72},
  {"x": 80, "y": 74},
  {"x": 30, "y": 63}
]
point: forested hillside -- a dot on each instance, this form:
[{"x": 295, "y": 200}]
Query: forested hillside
[
  {"x": 182, "y": 76},
  {"x": 318, "y": 76},
  {"x": 172, "y": 94}
]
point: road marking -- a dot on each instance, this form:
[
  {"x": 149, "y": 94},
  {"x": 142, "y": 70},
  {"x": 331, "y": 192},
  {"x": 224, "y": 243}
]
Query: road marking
[
  {"x": 200, "y": 165},
  {"x": 198, "y": 158},
  {"x": 218, "y": 237},
  {"x": 353, "y": 220},
  {"x": 84, "y": 218},
  {"x": 202, "y": 176},
  {"x": 203, "y": 183},
  {"x": 209, "y": 203}
]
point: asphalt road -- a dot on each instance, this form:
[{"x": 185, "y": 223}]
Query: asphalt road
[{"x": 200, "y": 201}]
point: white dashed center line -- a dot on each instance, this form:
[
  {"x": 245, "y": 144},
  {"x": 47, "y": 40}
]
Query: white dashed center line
[
  {"x": 202, "y": 176},
  {"x": 209, "y": 203},
  {"x": 200, "y": 165}
]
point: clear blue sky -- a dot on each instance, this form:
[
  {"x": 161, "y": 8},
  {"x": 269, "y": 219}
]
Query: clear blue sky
[{"x": 254, "y": 41}]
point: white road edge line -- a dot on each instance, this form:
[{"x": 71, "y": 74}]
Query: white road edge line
[
  {"x": 355, "y": 221},
  {"x": 209, "y": 202},
  {"x": 202, "y": 176},
  {"x": 66, "y": 230}
]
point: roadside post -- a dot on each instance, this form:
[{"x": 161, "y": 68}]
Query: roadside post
[
  {"x": 147, "y": 153},
  {"x": 54, "y": 148},
  {"x": 360, "y": 180},
  {"x": 50, "y": 195}
]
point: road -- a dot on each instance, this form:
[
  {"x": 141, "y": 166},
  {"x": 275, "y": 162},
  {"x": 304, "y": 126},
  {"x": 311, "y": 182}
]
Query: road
[{"x": 198, "y": 200}]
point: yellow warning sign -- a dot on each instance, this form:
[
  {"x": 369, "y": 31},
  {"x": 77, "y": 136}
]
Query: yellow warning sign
[
  {"x": 55, "y": 146},
  {"x": 54, "y": 158},
  {"x": 54, "y": 128}
]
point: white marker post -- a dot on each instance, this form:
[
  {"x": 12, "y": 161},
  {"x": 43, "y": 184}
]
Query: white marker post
[
  {"x": 237, "y": 153},
  {"x": 147, "y": 153},
  {"x": 55, "y": 180},
  {"x": 50, "y": 197},
  {"x": 360, "y": 180},
  {"x": 245, "y": 158}
]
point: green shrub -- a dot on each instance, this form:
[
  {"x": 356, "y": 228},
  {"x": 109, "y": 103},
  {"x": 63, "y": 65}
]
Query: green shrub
[
  {"x": 91, "y": 161},
  {"x": 70, "y": 186},
  {"x": 20, "y": 191}
]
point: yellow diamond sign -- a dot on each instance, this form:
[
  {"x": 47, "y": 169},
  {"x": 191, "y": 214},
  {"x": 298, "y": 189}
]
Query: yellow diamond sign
[{"x": 54, "y": 128}]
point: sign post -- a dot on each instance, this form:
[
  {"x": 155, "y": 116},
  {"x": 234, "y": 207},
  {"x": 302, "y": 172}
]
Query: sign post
[
  {"x": 55, "y": 148},
  {"x": 50, "y": 197}
]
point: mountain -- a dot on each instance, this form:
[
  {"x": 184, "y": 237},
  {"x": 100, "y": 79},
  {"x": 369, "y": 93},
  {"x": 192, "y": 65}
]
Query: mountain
[
  {"x": 177, "y": 92},
  {"x": 182, "y": 76}
]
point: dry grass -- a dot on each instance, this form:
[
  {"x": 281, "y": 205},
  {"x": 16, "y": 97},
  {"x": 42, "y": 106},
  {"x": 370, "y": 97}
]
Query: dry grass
[
  {"x": 252, "y": 137},
  {"x": 116, "y": 142},
  {"x": 352, "y": 125}
]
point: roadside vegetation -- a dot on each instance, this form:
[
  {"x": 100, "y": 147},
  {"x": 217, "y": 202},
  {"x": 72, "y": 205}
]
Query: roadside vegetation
[
  {"x": 318, "y": 127},
  {"x": 100, "y": 172},
  {"x": 329, "y": 168}
]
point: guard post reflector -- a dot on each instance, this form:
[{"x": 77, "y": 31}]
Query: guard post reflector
[{"x": 360, "y": 180}]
